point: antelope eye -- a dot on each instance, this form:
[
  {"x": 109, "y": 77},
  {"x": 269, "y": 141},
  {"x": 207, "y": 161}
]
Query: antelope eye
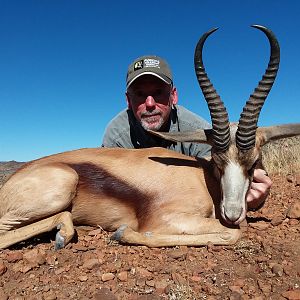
[{"x": 218, "y": 168}]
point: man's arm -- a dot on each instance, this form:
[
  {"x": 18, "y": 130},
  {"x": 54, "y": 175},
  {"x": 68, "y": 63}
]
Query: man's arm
[
  {"x": 110, "y": 139},
  {"x": 117, "y": 132}
]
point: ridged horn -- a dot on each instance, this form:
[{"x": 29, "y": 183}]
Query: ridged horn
[
  {"x": 218, "y": 113},
  {"x": 245, "y": 136}
]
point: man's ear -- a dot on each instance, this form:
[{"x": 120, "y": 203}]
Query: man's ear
[
  {"x": 128, "y": 101},
  {"x": 174, "y": 96}
]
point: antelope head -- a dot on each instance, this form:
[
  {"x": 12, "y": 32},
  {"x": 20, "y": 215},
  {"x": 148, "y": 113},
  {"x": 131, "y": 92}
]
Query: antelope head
[{"x": 236, "y": 147}]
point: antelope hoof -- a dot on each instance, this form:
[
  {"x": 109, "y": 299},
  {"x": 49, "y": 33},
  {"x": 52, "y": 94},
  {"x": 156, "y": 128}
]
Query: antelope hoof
[
  {"x": 118, "y": 234},
  {"x": 59, "y": 241}
]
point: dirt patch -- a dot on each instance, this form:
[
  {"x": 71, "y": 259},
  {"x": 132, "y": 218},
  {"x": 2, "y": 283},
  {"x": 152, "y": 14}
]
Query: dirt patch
[{"x": 264, "y": 264}]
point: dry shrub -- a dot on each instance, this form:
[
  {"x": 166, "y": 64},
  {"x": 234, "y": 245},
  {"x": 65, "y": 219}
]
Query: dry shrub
[{"x": 282, "y": 156}]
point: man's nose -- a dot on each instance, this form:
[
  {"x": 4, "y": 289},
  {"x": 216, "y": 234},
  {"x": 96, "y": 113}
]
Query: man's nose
[{"x": 150, "y": 102}]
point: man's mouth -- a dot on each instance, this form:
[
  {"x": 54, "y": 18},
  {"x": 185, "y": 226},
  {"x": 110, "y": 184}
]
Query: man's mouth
[{"x": 151, "y": 118}]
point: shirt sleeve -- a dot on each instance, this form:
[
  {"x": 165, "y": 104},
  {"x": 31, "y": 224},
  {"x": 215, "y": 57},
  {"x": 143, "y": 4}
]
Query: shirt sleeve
[
  {"x": 117, "y": 134},
  {"x": 189, "y": 121},
  {"x": 110, "y": 142},
  {"x": 200, "y": 150}
]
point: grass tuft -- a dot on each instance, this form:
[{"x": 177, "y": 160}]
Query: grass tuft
[{"x": 282, "y": 156}]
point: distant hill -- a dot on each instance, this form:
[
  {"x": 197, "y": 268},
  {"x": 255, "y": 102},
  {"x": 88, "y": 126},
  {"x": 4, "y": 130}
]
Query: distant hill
[{"x": 7, "y": 168}]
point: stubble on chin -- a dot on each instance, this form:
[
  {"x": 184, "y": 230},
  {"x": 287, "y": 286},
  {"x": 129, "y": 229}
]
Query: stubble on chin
[{"x": 152, "y": 126}]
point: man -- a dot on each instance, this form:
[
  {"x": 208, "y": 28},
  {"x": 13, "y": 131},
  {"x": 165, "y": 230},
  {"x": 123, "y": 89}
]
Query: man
[{"x": 152, "y": 104}]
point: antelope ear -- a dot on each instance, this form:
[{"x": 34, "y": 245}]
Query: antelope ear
[
  {"x": 272, "y": 133},
  {"x": 196, "y": 136}
]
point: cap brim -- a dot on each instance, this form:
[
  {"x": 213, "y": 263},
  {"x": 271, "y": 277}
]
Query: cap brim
[{"x": 161, "y": 77}]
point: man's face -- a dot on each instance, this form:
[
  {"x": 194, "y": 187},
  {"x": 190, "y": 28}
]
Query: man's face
[{"x": 151, "y": 101}]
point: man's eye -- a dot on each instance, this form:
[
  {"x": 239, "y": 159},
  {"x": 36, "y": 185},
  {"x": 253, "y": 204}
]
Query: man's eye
[
  {"x": 158, "y": 93},
  {"x": 139, "y": 94}
]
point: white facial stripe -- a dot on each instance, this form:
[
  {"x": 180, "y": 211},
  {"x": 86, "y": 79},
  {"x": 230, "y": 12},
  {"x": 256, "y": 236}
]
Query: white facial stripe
[
  {"x": 233, "y": 178},
  {"x": 234, "y": 187}
]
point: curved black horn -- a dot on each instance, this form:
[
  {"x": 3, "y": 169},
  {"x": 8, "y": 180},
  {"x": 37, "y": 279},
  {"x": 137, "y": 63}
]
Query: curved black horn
[
  {"x": 245, "y": 136},
  {"x": 218, "y": 113}
]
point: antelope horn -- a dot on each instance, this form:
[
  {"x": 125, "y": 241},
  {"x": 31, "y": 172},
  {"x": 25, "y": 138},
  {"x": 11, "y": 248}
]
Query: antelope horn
[
  {"x": 218, "y": 113},
  {"x": 245, "y": 136}
]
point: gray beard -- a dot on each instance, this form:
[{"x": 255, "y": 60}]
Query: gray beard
[{"x": 148, "y": 125}]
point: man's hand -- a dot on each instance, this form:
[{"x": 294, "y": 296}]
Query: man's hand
[{"x": 259, "y": 189}]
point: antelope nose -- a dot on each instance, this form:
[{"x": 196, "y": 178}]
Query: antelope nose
[{"x": 232, "y": 213}]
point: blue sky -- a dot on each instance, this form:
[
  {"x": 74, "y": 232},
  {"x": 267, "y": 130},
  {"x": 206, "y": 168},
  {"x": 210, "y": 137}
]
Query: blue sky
[{"x": 63, "y": 63}]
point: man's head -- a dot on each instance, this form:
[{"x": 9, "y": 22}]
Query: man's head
[{"x": 150, "y": 92}]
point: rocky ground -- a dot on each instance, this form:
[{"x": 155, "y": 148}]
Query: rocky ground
[{"x": 264, "y": 264}]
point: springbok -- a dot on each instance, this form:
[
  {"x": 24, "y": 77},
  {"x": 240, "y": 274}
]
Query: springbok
[{"x": 154, "y": 197}]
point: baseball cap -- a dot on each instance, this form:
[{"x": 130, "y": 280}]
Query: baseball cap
[{"x": 151, "y": 65}]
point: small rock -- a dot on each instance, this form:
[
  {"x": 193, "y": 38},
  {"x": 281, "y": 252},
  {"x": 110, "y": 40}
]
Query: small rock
[
  {"x": 78, "y": 247},
  {"x": 261, "y": 225},
  {"x": 133, "y": 271},
  {"x": 17, "y": 267},
  {"x": 91, "y": 263},
  {"x": 277, "y": 220},
  {"x": 34, "y": 257},
  {"x": 289, "y": 270},
  {"x": 236, "y": 288},
  {"x": 87, "y": 238},
  {"x": 46, "y": 288},
  {"x": 289, "y": 178},
  {"x": 195, "y": 278},
  {"x": 83, "y": 278},
  {"x": 277, "y": 270},
  {"x": 123, "y": 276},
  {"x": 294, "y": 222},
  {"x": 161, "y": 286},
  {"x": 143, "y": 272},
  {"x": 178, "y": 279},
  {"x": 107, "y": 276},
  {"x": 177, "y": 254},
  {"x": 294, "y": 210},
  {"x": 150, "y": 283},
  {"x": 91, "y": 247},
  {"x": 49, "y": 296},
  {"x": 251, "y": 290},
  {"x": 14, "y": 257},
  {"x": 51, "y": 260},
  {"x": 59, "y": 270},
  {"x": 292, "y": 295},
  {"x": 104, "y": 294},
  {"x": 235, "y": 296},
  {"x": 239, "y": 282},
  {"x": 261, "y": 258},
  {"x": 3, "y": 268},
  {"x": 213, "y": 248},
  {"x": 265, "y": 288},
  {"x": 141, "y": 282}
]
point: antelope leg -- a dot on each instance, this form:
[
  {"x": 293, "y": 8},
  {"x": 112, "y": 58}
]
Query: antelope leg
[
  {"x": 62, "y": 221},
  {"x": 126, "y": 235}
]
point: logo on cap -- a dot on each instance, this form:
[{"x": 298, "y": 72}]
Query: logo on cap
[
  {"x": 138, "y": 65},
  {"x": 151, "y": 63},
  {"x": 146, "y": 63}
]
